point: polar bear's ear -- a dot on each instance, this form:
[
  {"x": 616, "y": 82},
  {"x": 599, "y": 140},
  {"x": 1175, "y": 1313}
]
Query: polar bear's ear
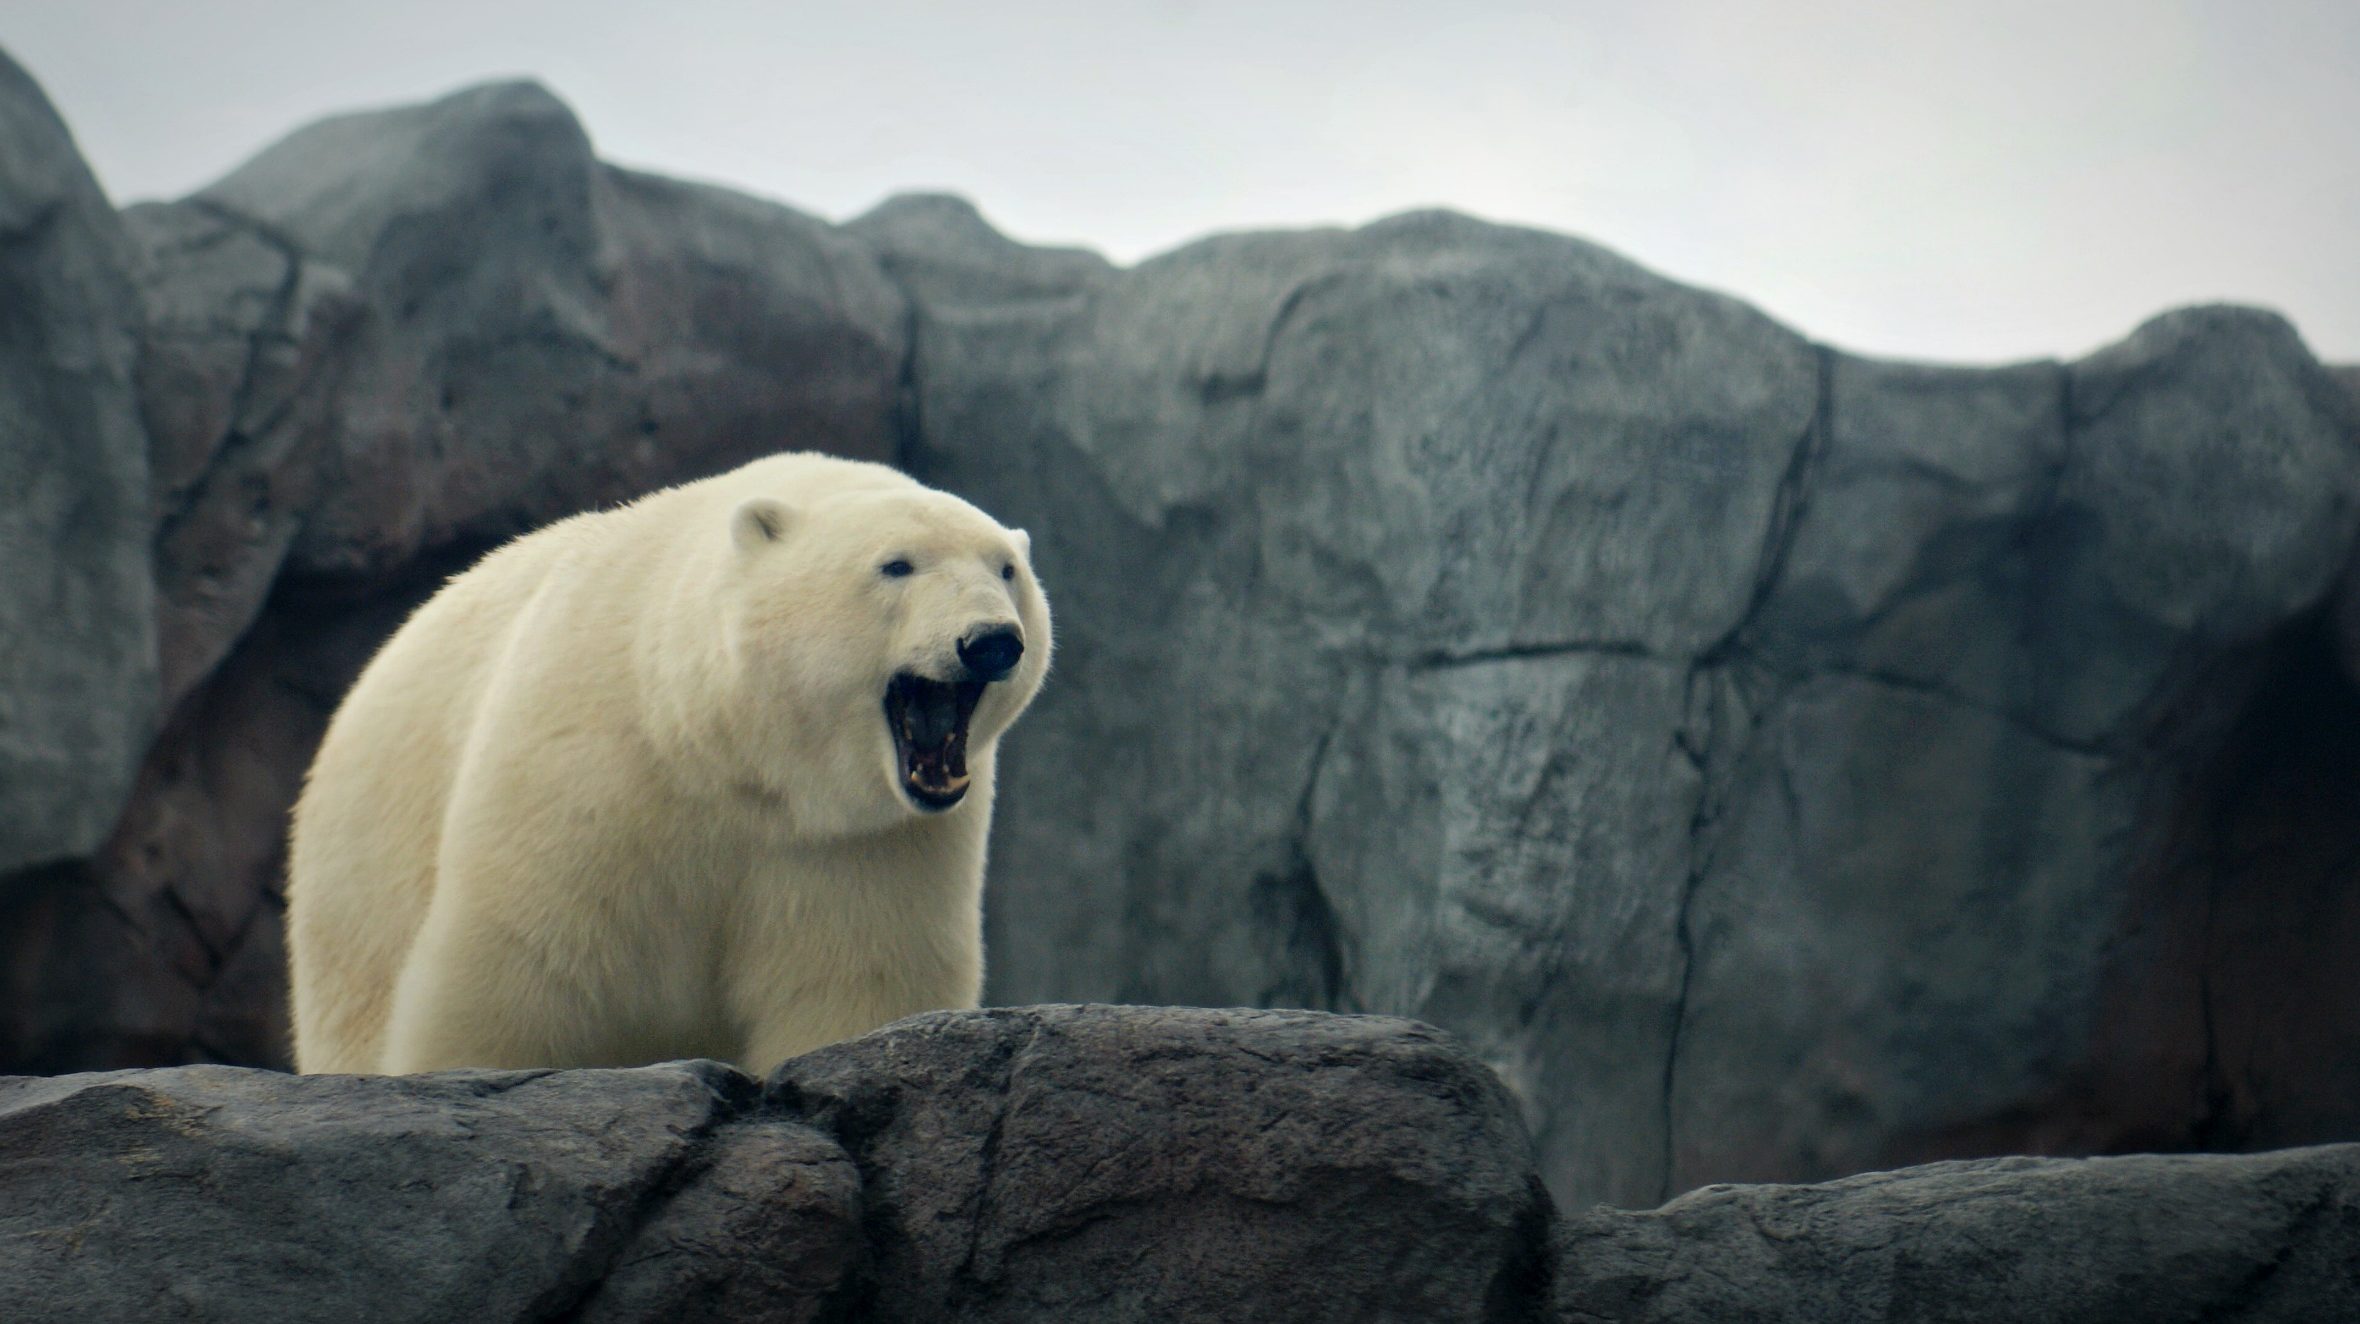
[
  {"x": 1023, "y": 543},
  {"x": 759, "y": 521}
]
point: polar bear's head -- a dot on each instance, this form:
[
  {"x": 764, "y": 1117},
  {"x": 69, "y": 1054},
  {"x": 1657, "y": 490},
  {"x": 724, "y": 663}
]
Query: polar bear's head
[{"x": 899, "y": 630}]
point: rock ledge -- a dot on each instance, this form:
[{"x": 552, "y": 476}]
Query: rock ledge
[{"x": 1063, "y": 1163}]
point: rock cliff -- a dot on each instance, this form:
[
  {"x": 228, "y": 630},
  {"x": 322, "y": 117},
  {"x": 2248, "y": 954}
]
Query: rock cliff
[{"x": 1775, "y": 763}]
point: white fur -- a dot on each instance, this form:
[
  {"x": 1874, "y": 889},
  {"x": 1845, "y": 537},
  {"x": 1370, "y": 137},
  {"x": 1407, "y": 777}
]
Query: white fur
[{"x": 624, "y": 791}]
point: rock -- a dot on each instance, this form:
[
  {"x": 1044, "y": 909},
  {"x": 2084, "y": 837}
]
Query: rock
[
  {"x": 180, "y": 906},
  {"x": 1046, "y": 1164},
  {"x": 2032, "y": 572},
  {"x": 940, "y": 243},
  {"x": 541, "y": 333},
  {"x": 78, "y": 687},
  {"x": 768, "y": 1229},
  {"x": 2345, "y": 619},
  {"x": 1056, "y": 1163},
  {"x": 239, "y": 327},
  {"x": 229, "y": 1194},
  {"x": 1759, "y": 755},
  {"x": 1066, "y": 1163},
  {"x": 2216, "y": 523},
  {"x": 2271, "y": 1237}
]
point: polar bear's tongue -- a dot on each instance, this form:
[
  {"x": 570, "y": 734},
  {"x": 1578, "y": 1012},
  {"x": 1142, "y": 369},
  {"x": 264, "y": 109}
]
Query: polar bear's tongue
[{"x": 929, "y": 723}]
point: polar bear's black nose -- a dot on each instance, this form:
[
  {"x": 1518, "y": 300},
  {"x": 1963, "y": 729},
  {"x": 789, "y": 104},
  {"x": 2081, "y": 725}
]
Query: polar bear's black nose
[{"x": 991, "y": 654}]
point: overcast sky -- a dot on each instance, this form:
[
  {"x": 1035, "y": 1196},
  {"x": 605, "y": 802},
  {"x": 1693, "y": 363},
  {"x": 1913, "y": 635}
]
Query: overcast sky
[{"x": 1978, "y": 180}]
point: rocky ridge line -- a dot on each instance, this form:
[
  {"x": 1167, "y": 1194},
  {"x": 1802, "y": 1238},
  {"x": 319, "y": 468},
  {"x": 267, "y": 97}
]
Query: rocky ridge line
[{"x": 1064, "y": 1163}]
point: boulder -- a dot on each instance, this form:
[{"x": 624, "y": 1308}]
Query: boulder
[
  {"x": 1057, "y": 1163},
  {"x": 78, "y": 686},
  {"x": 2267, "y": 1237},
  {"x": 543, "y": 332},
  {"x": 1066, "y": 1163},
  {"x": 1051, "y": 1163},
  {"x": 219, "y": 1193},
  {"x": 511, "y": 331}
]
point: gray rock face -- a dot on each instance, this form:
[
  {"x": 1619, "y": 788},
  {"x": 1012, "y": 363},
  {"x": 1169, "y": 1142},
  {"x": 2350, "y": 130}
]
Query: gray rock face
[
  {"x": 239, "y": 327},
  {"x": 77, "y": 628},
  {"x": 165, "y": 946},
  {"x": 1051, "y": 1164},
  {"x": 1999, "y": 581},
  {"x": 1062, "y": 1164},
  {"x": 2096, "y": 1241},
  {"x": 545, "y": 332},
  {"x": 1152, "y": 1163},
  {"x": 221, "y": 1193},
  {"x": 1752, "y": 750},
  {"x": 534, "y": 332}
]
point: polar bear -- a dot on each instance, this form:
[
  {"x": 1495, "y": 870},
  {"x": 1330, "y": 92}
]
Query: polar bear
[{"x": 709, "y": 775}]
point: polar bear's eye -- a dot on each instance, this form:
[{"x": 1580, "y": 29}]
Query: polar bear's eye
[
  {"x": 896, "y": 569},
  {"x": 1008, "y": 572}
]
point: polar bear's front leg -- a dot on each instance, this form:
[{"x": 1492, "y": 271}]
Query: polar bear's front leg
[
  {"x": 474, "y": 994},
  {"x": 786, "y": 1034},
  {"x": 848, "y": 996}
]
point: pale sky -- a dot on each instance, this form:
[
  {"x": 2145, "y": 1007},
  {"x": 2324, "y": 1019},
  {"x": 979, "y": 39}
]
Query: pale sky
[{"x": 1974, "y": 181}]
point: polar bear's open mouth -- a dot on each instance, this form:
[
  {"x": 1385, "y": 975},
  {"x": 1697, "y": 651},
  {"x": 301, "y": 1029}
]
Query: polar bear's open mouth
[{"x": 928, "y": 719}]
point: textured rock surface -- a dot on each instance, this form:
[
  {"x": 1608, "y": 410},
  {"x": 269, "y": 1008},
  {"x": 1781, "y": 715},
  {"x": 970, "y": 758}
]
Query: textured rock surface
[
  {"x": 1047, "y": 1164},
  {"x": 2094, "y": 1241},
  {"x": 1775, "y": 763},
  {"x": 1760, "y": 755},
  {"x": 165, "y": 945},
  {"x": 542, "y": 333},
  {"x": 221, "y": 1193},
  {"x": 1066, "y": 1164},
  {"x": 1149, "y": 1163},
  {"x": 239, "y": 326},
  {"x": 77, "y": 631}
]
